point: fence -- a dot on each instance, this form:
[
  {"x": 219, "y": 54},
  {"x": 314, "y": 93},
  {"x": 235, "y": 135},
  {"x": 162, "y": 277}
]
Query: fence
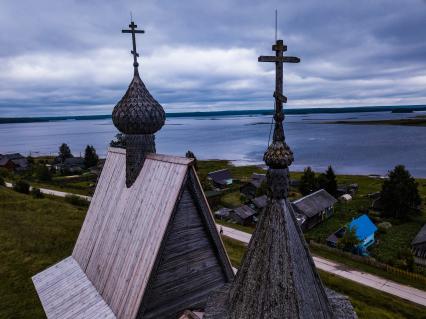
[{"x": 371, "y": 262}]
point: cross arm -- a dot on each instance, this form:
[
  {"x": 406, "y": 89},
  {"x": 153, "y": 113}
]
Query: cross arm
[
  {"x": 286, "y": 59},
  {"x": 131, "y": 31}
]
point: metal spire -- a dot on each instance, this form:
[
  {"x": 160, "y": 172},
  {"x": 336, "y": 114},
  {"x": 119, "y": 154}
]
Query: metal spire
[{"x": 133, "y": 31}]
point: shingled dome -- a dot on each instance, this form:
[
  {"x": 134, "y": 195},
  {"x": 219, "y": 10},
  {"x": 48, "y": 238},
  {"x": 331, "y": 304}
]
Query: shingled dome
[{"x": 138, "y": 112}]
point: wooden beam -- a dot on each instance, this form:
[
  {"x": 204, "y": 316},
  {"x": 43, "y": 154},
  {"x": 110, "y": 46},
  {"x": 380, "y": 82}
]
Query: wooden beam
[{"x": 286, "y": 59}]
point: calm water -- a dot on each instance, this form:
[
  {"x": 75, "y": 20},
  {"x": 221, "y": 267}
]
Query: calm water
[{"x": 352, "y": 149}]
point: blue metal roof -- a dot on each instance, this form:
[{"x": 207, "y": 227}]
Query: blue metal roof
[{"x": 364, "y": 227}]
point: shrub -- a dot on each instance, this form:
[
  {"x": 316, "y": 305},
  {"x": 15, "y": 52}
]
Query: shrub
[
  {"x": 2, "y": 181},
  {"x": 43, "y": 173},
  {"x": 76, "y": 200},
  {"x": 36, "y": 193},
  {"x": 384, "y": 227},
  {"x": 22, "y": 186}
]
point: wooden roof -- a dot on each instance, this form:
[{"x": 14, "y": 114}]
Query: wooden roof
[
  {"x": 314, "y": 203},
  {"x": 125, "y": 227}
]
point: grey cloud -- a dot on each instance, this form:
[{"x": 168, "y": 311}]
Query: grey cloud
[{"x": 352, "y": 53}]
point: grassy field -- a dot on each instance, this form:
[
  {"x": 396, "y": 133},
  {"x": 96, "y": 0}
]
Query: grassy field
[
  {"x": 368, "y": 303},
  {"x": 36, "y": 233}
]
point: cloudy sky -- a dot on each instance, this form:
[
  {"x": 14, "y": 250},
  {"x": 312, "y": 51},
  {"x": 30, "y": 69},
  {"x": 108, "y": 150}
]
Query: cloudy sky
[{"x": 69, "y": 57}]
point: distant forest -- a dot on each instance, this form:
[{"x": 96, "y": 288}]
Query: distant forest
[{"x": 395, "y": 109}]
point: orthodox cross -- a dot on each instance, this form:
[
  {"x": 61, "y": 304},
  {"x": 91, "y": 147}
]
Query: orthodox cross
[
  {"x": 279, "y": 60},
  {"x": 133, "y": 31}
]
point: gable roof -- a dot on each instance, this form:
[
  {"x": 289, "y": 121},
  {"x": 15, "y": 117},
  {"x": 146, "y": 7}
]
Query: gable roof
[
  {"x": 420, "y": 237},
  {"x": 314, "y": 203},
  {"x": 260, "y": 201},
  {"x": 124, "y": 229},
  {"x": 220, "y": 176},
  {"x": 364, "y": 227},
  {"x": 244, "y": 212},
  {"x": 12, "y": 156},
  {"x": 257, "y": 179}
]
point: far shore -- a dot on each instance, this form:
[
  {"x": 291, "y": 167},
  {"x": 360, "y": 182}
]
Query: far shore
[{"x": 417, "y": 121}]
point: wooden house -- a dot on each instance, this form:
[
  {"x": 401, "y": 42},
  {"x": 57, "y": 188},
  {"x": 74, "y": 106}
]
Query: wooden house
[
  {"x": 418, "y": 246},
  {"x": 221, "y": 178},
  {"x": 365, "y": 231},
  {"x": 260, "y": 202},
  {"x": 14, "y": 162},
  {"x": 315, "y": 207},
  {"x": 250, "y": 189},
  {"x": 148, "y": 251},
  {"x": 243, "y": 215}
]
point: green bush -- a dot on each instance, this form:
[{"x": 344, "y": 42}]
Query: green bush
[
  {"x": 43, "y": 173},
  {"x": 76, "y": 200},
  {"x": 2, "y": 181},
  {"x": 22, "y": 186},
  {"x": 384, "y": 227},
  {"x": 36, "y": 193}
]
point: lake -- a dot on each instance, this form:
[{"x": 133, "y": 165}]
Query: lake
[{"x": 350, "y": 149}]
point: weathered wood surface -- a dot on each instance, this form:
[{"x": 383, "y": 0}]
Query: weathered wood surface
[
  {"x": 124, "y": 228},
  {"x": 189, "y": 267},
  {"x": 66, "y": 292},
  {"x": 126, "y": 231}
]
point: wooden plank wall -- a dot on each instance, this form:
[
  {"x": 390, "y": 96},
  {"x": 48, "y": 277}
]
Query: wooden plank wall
[
  {"x": 189, "y": 268},
  {"x": 124, "y": 228}
]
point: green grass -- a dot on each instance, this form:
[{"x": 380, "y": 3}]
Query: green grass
[
  {"x": 235, "y": 250},
  {"x": 231, "y": 199},
  {"x": 369, "y": 303},
  {"x": 34, "y": 234}
]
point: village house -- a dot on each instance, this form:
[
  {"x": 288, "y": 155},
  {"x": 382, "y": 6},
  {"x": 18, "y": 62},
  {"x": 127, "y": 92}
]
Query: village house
[
  {"x": 221, "y": 178},
  {"x": 222, "y": 213},
  {"x": 365, "y": 231},
  {"x": 418, "y": 246},
  {"x": 72, "y": 165},
  {"x": 243, "y": 215},
  {"x": 250, "y": 189},
  {"x": 316, "y": 207},
  {"x": 14, "y": 162},
  {"x": 260, "y": 202}
]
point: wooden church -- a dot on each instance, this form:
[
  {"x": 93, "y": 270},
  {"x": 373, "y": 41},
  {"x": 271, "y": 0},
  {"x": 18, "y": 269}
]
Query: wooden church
[{"x": 148, "y": 247}]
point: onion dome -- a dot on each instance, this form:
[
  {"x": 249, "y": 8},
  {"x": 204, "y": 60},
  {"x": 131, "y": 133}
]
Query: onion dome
[{"x": 138, "y": 112}]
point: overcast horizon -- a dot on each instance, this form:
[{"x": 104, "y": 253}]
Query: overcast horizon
[{"x": 70, "y": 57}]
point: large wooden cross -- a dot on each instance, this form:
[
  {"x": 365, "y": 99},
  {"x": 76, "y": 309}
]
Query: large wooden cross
[
  {"x": 133, "y": 31},
  {"x": 279, "y": 60}
]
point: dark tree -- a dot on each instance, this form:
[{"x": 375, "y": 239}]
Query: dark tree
[
  {"x": 119, "y": 141},
  {"x": 189, "y": 154},
  {"x": 349, "y": 240},
  {"x": 90, "y": 157},
  {"x": 400, "y": 194},
  {"x": 328, "y": 181},
  {"x": 43, "y": 173},
  {"x": 308, "y": 182},
  {"x": 22, "y": 186},
  {"x": 64, "y": 152}
]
